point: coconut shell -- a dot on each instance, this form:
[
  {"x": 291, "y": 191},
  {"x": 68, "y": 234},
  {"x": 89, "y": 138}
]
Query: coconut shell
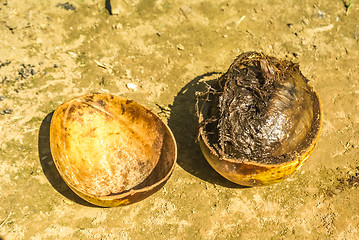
[
  {"x": 259, "y": 121},
  {"x": 107, "y": 147}
]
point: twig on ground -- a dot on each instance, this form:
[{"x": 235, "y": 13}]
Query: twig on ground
[{"x": 7, "y": 218}]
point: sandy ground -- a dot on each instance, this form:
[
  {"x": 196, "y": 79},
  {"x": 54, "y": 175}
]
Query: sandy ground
[{"x": 53, "y": 50}]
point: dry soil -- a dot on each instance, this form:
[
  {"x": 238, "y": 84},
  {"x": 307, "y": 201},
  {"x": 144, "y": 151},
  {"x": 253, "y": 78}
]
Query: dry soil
[{"x": 159, "y": 53}]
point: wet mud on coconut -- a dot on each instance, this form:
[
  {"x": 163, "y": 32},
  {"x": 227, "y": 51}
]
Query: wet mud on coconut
[{"x": 262, "y": 110}]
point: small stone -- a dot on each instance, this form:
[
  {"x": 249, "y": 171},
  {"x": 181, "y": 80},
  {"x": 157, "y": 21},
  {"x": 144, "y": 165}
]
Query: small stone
[
  {"x": 132, "y": 86},
  {"x": 118, "y": 26},
  {"x": 180, "y": 47}
]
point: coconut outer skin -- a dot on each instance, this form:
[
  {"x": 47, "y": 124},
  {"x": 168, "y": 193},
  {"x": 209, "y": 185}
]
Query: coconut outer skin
[
  {"x": 103, "y": 145},
  {"x": 261, "y": 121}
]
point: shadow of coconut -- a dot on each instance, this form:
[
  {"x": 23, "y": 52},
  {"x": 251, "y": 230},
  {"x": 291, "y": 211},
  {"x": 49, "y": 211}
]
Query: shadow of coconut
[
  {"x": 184, "y": 125},
  {"x": 48, "y": 165}
]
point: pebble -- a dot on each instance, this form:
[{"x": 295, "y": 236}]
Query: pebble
[
  {"x": 180, "y": 47},
  {"x": 320, "y": 14},
  {"x": 118, "y": 26},
  {"x": 132, "y": 86}
]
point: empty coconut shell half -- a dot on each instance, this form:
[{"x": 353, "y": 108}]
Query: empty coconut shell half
[
  {"x": 110, "y": 150},
  {"x": 259, "y": 121}
]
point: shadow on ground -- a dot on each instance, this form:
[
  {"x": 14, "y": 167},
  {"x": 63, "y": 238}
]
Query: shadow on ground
[
  {"x": 48, "y": 165},
  {"x": 183, "y": 123},
  {"x": 108, "y": 6}
]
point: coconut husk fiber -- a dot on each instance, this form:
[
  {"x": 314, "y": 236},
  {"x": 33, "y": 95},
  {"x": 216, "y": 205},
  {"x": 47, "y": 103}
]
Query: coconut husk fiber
[{"x": 260, "y": 110}]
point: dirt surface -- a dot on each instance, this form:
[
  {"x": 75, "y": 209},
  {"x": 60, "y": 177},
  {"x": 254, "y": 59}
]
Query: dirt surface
[{"x": 159, "y": 53}]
